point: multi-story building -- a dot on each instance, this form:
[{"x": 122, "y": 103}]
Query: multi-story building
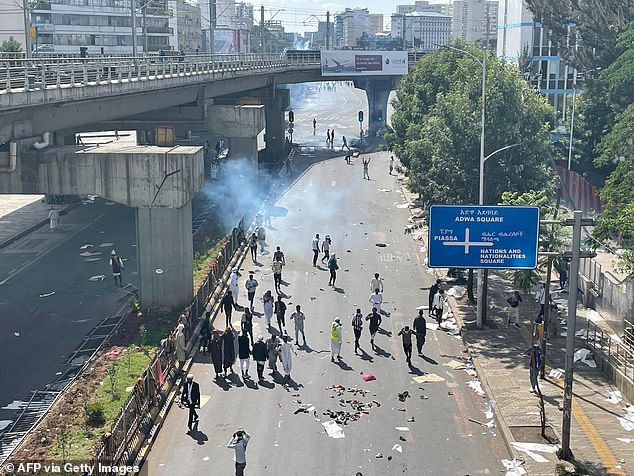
[
  {"x": 375, "y": 24},
  {"x": 474, "y": 20},
  {"x": 422, "y": 31},
  {"x": 522, "y": 40},
  {"x": 338, "y": 43},
  {"x": 186, "y": 23},
  {"x": 356, "y": 23},
  {"x": 96, "y": 27},
  {"x": 421, "y": 6},
  {"x": 317, "y": 38}
]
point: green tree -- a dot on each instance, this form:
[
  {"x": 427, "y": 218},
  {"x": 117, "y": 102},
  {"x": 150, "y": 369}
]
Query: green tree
[
  {"x": 436, "y": 129},
  {"x": 10, "y": 46}
]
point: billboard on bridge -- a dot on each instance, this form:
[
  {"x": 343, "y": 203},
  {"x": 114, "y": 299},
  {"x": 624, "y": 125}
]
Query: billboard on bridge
[{"x": 363, "y": 63}]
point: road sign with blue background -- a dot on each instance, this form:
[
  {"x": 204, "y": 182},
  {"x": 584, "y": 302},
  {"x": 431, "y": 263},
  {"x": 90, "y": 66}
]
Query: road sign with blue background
[{"x": 478, "y": 236}]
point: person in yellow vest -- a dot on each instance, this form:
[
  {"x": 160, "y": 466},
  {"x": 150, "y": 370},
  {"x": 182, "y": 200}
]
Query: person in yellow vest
[{"x": 335, "y": 340}]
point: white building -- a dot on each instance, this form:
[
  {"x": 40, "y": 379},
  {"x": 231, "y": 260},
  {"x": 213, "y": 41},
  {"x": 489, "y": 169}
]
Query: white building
[
  {"x": 473, "y": 19},
  {"x": 422, "y": 31},
  {"x": 356, "y": 23},
  {"x": 186, "y": 24},
  {"x": 519, "y": 34},
  {"x": 422, "y": 6}
]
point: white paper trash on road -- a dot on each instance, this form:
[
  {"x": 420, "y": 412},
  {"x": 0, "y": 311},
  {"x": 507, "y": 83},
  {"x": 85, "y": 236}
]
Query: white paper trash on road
[
  {"x": 476, "y": 385},
  {"x": 333, "y": 430},
  {"x": 557, "y": 373},
  {"x": 584, "y": 356},
  {"x": 627, "y": 422},
  {"x": 533, "y": 450},
  {"x": 457, "y": 291},
  {"x": 614, "y": 397},
  {"x": 514, "y": 467}
]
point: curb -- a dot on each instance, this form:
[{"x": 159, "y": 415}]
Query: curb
[{"x": 34, "y": 227}]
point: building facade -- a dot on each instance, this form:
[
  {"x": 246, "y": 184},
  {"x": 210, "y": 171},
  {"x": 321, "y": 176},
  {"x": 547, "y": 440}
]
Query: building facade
[
  {"x": 521, "y": 39},
  {"x": 474, "y": 20},
  {"x": 186, "y": 24},
  {"x": 354, "y": 23},
  {"x": 422, "y": 6},
  {"x": 422, "y": 31}
]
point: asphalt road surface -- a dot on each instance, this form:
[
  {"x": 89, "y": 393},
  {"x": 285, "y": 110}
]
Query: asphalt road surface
[
  {"x": 48, "y": 302},
  {"x": 333, "y": 198}
]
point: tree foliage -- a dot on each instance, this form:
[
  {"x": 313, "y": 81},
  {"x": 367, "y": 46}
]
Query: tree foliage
[
  {"x": 10, "y": 46},
  {"x": 436, "y": 129}
]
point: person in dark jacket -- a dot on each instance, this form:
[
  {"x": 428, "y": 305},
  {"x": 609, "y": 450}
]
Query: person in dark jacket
[
  {"x": 375, "y": 322},
  {"x": 228, "y": 304},
  {"x": 215, "y": 348},
  {"x": 244, "y": 354},
  {"x": 420, "y": 326},
  {"x": 432, "y": 292},
  {"x": 190, "y": 397},
  {"x": 260, "y": 355},
  {"x": 280, "y": 312},
  {"x": 333, "y": 267},
  {"x": 205, "y": 333},
  {"x": 228, "y": 350},
  {"x": 246, "y": 323}
]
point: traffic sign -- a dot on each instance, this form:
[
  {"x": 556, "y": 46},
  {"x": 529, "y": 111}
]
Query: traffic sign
[{"x": 480, "y": 236}]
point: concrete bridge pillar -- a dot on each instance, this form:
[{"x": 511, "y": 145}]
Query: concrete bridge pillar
[
  {"x": 241, "y": 125},
  {"x": 274, "y": 108},
  {"x": 165, "y": 256},
  {"x": 378, "y": 90}
]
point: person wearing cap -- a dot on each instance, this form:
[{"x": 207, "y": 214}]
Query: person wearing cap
[
  {"x": 335, "y": 339},
  {"x": 260, "y": 355},
  {"x": 117, "y": 267},
  {"x": 190, "y": 397}
]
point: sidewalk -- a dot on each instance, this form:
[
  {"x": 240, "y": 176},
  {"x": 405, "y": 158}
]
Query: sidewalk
[{"x": 21, "y": 214}]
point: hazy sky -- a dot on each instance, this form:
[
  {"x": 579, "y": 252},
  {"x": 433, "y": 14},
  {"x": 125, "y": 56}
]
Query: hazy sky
[{"x": 299, "y": 15}]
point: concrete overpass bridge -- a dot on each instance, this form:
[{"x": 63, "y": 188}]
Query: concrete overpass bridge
[{"x": 44, "y": 103}]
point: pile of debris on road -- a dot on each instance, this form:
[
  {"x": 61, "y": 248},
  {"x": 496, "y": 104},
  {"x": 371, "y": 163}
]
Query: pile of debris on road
[{"x": 358, "y": 407}]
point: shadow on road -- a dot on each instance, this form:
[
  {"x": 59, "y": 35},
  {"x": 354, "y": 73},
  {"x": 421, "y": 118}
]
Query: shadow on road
[
  {"x": 198, "y": 435},
  {"x": 430, "y": 360}
]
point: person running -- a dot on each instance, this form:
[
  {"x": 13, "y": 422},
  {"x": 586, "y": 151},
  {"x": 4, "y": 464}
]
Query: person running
[
  {"x": 375, "y": 322},
  {"x": 253, "y": 246},
  {"x": 376, "y": 283},
  {"x": 357, "y": 327},
  {"x": 407, "y": 333},
  {"x": 268, "y": 303},
  {"x": 335, "y": 339},
  {"x": 315, "y": 246},
  {"x": 228, "y": 304},
  {"x": 376, "y": 300},
  {"x": 366, "y": 165},
  {"x": 251, "y": 284},
  {"x": 246, "y": 324},
  {"x": 276, "y": 267},
  {"x": 298, "y": 317},
  {"x": 260, "y": 356},
  {"x": 325, "y": 248},
  {"x": 420, "y": 326},
  {"x": 280, "y": 311}
]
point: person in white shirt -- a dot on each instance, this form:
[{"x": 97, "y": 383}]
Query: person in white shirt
[
  {"x": 251, "y": 284},
  {"x": 233, "y": 284},
  {"x": 376, "y": 299},
  {"x": 286, "y": 356},
  {"x": 376, "y": 283},
  {"x": 315, "y": 246},
  {"x": 325, "y": 247},
  {"x": 438, "y": 305},
  {"x": 298, "y": 317},
  {"x": 239, "y": 443}
]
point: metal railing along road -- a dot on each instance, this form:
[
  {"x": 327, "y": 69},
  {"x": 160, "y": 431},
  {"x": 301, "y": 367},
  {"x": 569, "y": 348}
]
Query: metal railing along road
[{"x": 617, "y": 355}]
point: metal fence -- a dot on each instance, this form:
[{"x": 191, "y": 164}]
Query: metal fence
[
  {"x": 616, "y": 359},
  {"x": 592, "y": 270}
]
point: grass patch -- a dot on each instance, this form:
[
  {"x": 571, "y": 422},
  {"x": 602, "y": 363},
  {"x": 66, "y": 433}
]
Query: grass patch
[{"x": 204, "y": 258}]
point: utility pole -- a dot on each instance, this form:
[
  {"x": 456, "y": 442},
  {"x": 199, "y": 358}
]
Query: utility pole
[
  {"x": 27, "y": 28},
  {"x": 145, "y": 50},
  {"x": 328, "y": 30},
  {"x": 262, "y": 29},
  {"x": 404, "y": 30},
  {"x": 213, "y": 22},
  {"x": 134, "y": 39}
]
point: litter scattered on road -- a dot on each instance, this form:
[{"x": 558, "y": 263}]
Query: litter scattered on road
[
  {"x": 627, "y": 421},
  {"x": 398, "y": 448},
  {"x": 17, "y": 334},
  {"x": 88, "y": 254},
  {"x": 333, "y": 430},
  {"x": 379, "y": 455},
  {"x": 86, "y": 246},
  {"x": 428, "y": 378},
  {"x": 533, "y": 450},
  {"x": 304, "y": 408},
  {"x": 97, "y": 277},
  {"x": 368, "y": 377},
  {"x": 476, "y": 385},
  {"x": 403, "y": 396},
  {"x": 614, "y": 397},
  {"x": 556, "y": 373},
  {"x": 402, "y": 428},
  {"x": 457, "y": 291},
  {"x": 583, "y": 355},
  {"x": 514, "y": 467},
  {"x": 626, "y": 440},
  {"x": 455, "y": 365},
  {"x": 47, "y": 294}
]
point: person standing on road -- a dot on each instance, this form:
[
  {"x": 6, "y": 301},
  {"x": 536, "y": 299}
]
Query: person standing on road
[
  {"x": 376, "y": 283},
  {"x": 542, "y": 299},
  {"x": 534, "y": 365},
  {"x": 253, "y": 246},
  {"x": 280, "y": 312},
  {"x": 246, "y": 323},
  {"x": 335, "y": 339},
  {"x": 332, "y": 138},
  {"x": 375, "y": 322},
  {"x": 260, "y": 356},
  {"x": 315, "y": 247},
  {"x": 181, "y": 345},
  {"x": 438, "y": 305},
  {"x": 244, "y": 353},
  {"x": 234, "y": 285},
  {"x": 228, "y": 304},
  {"x": 268, "y": 301},
  {"x": 53, "y": 219},
  {"x": 357, "y": 327},
  {"x": 190, "y": 397},
  {"x": 333, "y": 267},
  {"x": 325, "y": 247},
  {"x": 205, "y": 333},
  {"x": 432, "y": 292},
  {"x": 420, "y": 326},
  {"x": 272, "y": 349},
  {"x": 366, "y": 165},
  {"x": 286, "y": 356},
  {"x": 239, "y": 443},
  {"x": 514, "y": 308},
  {"x": 216, "y": 352},
  {"x": 298, "y": 317},
  {"x": 228, "y": 349},
  {"x": 376, "y": 299},
  {"x": 314, "y": 124},
  {"x": 407, "y": 333},
  {"x": 391, "y": 164},
  {"x": 279, "y": 256},
  {"x": 251, "y": 284},
  {"x": 328, "y": 137},
  {"x": 117, "y": 267},
  {"x": 276, "y": 267}
]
